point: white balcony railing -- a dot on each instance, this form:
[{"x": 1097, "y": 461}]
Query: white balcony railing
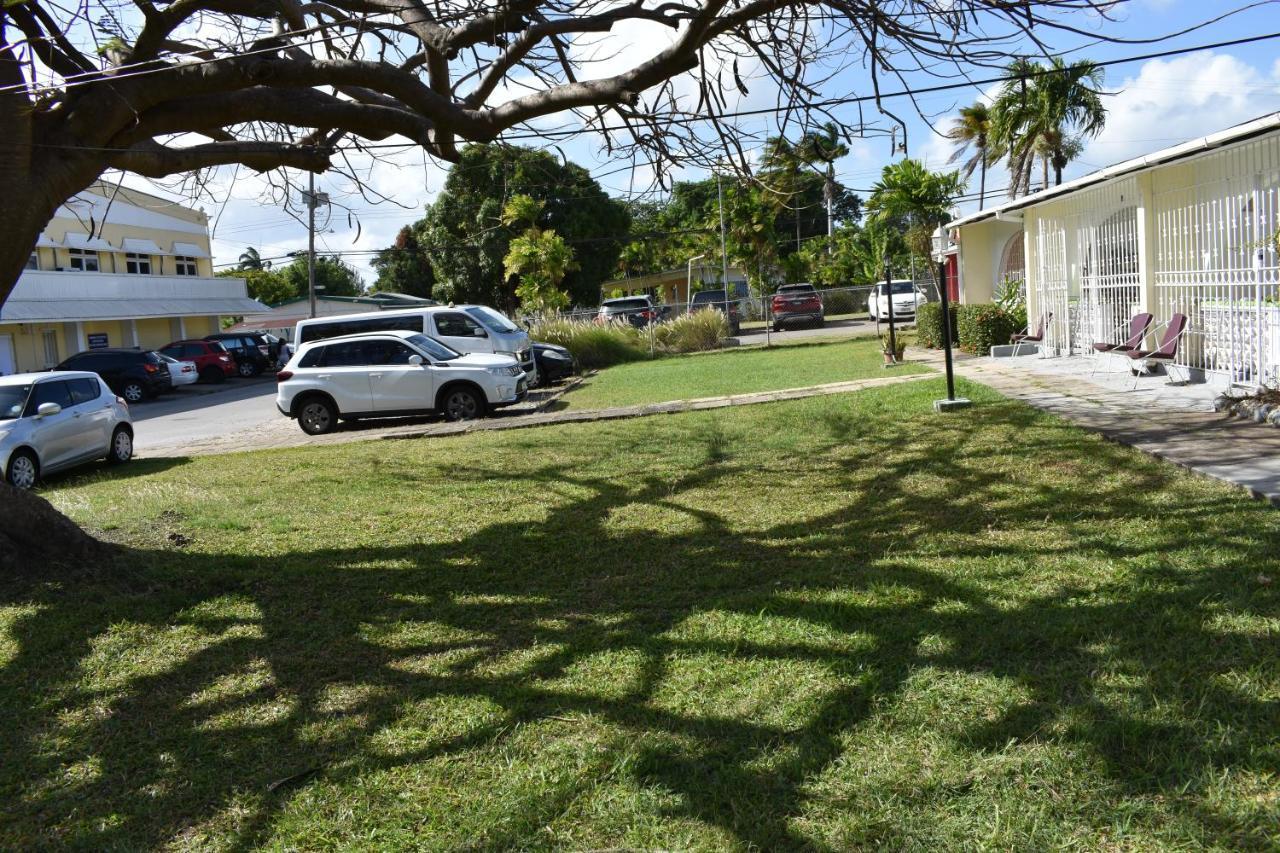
[{"x": 46, "y": 285}]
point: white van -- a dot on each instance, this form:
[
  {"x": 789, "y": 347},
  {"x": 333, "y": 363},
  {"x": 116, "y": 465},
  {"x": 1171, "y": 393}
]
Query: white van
[{"x": 465, "y": 328}]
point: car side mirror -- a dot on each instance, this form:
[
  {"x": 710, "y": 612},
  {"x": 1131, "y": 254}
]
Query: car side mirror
[
  {"x": 47, "y": 410},
  {"x": 479, "y": 333},
  {"x": 415, "y": 360}
]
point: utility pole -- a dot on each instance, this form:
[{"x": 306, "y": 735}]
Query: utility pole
[
  {"x": 313, "y": 200},
  {"x": 829, "y": 190},
  {"x": 724, "y": 254},
  {"x": 311, "y": 241}
]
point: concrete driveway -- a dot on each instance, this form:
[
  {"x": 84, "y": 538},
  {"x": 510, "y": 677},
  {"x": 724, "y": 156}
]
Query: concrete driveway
[{"x": 197, "y": 413}]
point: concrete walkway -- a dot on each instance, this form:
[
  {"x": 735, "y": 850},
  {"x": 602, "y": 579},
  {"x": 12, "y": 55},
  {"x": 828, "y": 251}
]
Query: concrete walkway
[
  {"x": 1169, "y": 422},
  {"x": 284, "y": 432}
]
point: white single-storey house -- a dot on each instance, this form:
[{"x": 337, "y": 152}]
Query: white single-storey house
[{"x": 1192, "y": 229}]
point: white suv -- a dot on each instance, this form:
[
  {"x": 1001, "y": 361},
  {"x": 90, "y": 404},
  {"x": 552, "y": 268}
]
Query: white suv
[
  {"x": 50, "y": 421},
  {"x": 385, "y": 374}
]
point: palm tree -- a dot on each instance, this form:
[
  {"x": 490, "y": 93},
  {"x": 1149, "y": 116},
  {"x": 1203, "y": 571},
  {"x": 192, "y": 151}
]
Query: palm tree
[
  {"x": 825, "y": 146},
  {"x": 971, "y": 134},
  {"x": 1045, "y": 113},
  {"x": 250, "y": 259},
  {"x": 908, "y": 192}
]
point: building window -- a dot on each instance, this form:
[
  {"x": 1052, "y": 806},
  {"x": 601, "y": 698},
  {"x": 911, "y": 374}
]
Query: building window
[
  {"x": 186, "y": 265},
  {"x": 33, "y": 262},
  {"x": 136, "y": 264},
  {"x": 50, "y": 349},
  {"x": 84, "y": 260}
]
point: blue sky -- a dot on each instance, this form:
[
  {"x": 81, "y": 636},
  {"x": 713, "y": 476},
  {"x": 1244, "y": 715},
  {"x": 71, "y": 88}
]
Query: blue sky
[{"x": 1155, "y": 104}]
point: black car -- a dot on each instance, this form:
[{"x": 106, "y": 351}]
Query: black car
[
  {"x": 251, "y": 351},
  {"x": 639, "y": 311},
  {"x": 133, "y": 374},
  {"x": 731, "y": 308},
  {"x": 554, "y": 363}
]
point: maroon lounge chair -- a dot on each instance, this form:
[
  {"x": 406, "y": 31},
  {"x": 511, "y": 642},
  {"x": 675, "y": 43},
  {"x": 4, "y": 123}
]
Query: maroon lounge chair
[
  {"x": 1143, "y": 360},
  {"x": 1138, "y": 326},
  {"x": 1028, "y": 338}
]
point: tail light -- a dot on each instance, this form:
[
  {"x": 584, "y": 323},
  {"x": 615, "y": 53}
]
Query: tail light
[
  {"x": 122, "y": 401},
  {"x": 150, "y": 368},
  {"x": 284, "y": 375},
  {"x": 224, "y": 358}
]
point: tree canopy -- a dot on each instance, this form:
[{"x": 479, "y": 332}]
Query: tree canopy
[
  {"x": 171, "y": 88},
  {"x": 467, "y": 239},
  {"x": 405, "y": 266}
]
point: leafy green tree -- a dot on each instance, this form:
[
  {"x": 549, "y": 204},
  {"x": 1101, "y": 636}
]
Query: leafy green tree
[
  {"x": 467, "y": 241},
  {"x": 538, "y": 257},
  {"x": 1046, "y": 113},
  {"x": 859, "y": 255},
  {"x": 971, "y": 135},
  {"x": 332, "y": 273},
  {"x": 908, "y": 193},
  {"x": 404, "y": 267},
  {"x": 266, "y": 286},
  {"x": 825, "y": 146}
]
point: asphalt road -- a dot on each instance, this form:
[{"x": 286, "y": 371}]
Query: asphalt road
[
  {"x": 831, "y": 329},
  {"x": 201, "y": 412}
]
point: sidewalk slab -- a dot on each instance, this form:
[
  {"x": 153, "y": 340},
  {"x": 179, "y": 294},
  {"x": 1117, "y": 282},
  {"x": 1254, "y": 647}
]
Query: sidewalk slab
[{"x": 1173, "y": 423}]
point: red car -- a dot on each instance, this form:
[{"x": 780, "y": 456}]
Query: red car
[
  {"x": 797, "y": 304},
  {"x": 213, "y": 362}
]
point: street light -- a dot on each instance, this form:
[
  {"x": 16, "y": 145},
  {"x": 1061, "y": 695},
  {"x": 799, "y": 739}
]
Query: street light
[{"x": 940, "y": 245}]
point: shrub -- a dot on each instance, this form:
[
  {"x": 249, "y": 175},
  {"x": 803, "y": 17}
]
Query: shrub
[
  {"x": 981, "y": 327},
  {"x": 592, "y": 344},
  {"x": 929, "y": 324},
  {"x": 843, "y": 302},
  {"x": 702, "y": 330}
]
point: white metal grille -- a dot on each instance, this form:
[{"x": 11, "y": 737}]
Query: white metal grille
[
  {"x": 1049, "y": 241},
  {"x": 1216, "y": 261}
]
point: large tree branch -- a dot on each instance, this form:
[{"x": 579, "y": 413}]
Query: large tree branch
[
  {"x": 299, "y": 107},
  {"x": 153, "y": 160}
]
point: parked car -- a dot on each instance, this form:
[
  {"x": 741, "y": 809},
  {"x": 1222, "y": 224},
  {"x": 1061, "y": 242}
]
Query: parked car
[
  {"x": 906, "y": 298},
  {"x": 385, "y": 374},
  {"x": 213, "y": 362},
  {"x": 797, "y": 304},
  {"x": 180, "y": 372},
  {"x": 731, "y": 308},
  {"x": 250, "y": 350},
  {"x": 462, "y": 328},
  {"x": 639, "y": 311},
  {"x": 554, "y": 363},
  {"x": 52, "y": 421},
  {"x": 133, "y": 374}
]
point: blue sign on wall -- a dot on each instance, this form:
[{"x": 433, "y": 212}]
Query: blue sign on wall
[{"x": 98, "y": 340}]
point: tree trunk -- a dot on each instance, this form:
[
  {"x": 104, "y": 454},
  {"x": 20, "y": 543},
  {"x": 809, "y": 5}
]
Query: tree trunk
[
  {"x": 35, "y": 537},
  {"x": 982, "y": 181}
]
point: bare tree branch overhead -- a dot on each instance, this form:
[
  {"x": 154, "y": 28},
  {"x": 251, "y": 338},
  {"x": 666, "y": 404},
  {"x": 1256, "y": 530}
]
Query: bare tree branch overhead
[{"x": 161, "y": 87}]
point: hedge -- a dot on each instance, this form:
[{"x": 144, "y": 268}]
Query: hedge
[
  {"x": 929, "y": 324},
  {"x": 981, "y": 327}
]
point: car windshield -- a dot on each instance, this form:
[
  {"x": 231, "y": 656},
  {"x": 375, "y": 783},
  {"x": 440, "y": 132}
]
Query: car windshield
[
  {"x": 491, "y": 320},
  {"x": 796, "y": 289},
  {"x": 900, "y": 287},
  {"x": 709, "y": 296},
  {"x": 12, "y": 399},
  {"x": 626, "y": 304},
  {"x": 433, "y": 348}
]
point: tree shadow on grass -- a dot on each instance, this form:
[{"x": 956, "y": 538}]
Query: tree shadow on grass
[{"x": 316, "y": 670}]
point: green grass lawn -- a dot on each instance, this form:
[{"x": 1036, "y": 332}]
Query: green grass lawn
[
  {"x": 830, "y": 623},
  {"x": 735, "y": 371}
]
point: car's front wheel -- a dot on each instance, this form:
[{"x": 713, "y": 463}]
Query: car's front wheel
[
  {"x": 23, "y": 470},
  {"x": 317, "y": 416},
  {"x": 133, "y": 392},
  {"x": 121, "y": 449},
  {"x": 463, "y": 404}
]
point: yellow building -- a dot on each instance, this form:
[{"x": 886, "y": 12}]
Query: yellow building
[{"x": 115, "y": 267}]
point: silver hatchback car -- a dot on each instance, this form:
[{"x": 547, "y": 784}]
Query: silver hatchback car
[{"x": 51, "y": 421}]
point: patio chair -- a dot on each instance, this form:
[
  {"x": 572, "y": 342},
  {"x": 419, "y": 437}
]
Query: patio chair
[
  {"x": 1141, "y": 361},
  {"x": 1025, "y": 337},
  {"x": 1138, "y": 325}
]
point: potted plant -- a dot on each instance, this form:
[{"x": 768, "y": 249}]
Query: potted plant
[{"x": 892, "y": 354}]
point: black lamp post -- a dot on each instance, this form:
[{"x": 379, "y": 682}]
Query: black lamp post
[
  {"x": 939, "y": 250},
  {"x": 893, "y": 333}
]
